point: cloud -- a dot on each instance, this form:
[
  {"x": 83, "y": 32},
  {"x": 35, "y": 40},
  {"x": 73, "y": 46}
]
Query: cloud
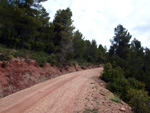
[
  {"x": 142, "y": 31},
  {"x": 143, "y": 28},
  {"x": 96, "y": 19}
]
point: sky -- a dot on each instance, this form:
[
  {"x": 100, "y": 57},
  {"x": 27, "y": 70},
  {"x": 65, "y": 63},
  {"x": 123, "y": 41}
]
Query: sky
[{"x": 96, "y": 19}]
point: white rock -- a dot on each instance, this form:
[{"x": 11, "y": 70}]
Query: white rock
[{"x": 122, "y": 109}]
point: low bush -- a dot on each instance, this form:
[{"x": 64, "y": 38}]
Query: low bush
[
  {"x": 110, "y": 73},
  {"x": 107, "y": 76},
  {"x": 90, "y": 58},
  {"x": 21, "y": 53},
  {"x": 10, "y": 57},
  {"x": 70, "y": 56},
  {"x": 40, "y": 57},
  {"x": 135, "y": 84},
  {"x": 130, "y": 90},
  {"x": 120, "y": 87},
  {"x": 115, "y": 99},
  {"x": 41, "y": 61},
  {"x": 1, "y": 57},
  {"x": 139, "y": 101},
  {"x": 53, "y": 60}
]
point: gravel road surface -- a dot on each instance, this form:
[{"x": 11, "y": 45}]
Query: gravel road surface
[{"x": 57, "y": 95}]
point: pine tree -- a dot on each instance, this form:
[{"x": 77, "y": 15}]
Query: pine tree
[
  {"x": 120, "y": 43},
  {"x": 64, "y": 32},
  {"x": 78, "y": 44}
]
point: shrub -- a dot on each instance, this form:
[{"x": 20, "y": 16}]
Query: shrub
[
  {"x": 107, "y": 72},
  {"x": 1, "y": 57},
  {"x": 120, "y": 87},
  {"x": 90, "y": 59},
  {"x": 10, "y": 57},
  {"x": 135, "y": 84},
  {"x": 40, "y": 57},
  {"x": 21, "y": 53},
  {"x": 50, "y": 59},
  {"x": 139, "y": 101},
  {"x": 53, "y": 60},
  {"x": 3, "y": 49},
  {"x": 110, "y": 73},
  {"x": 130, "y": 90},
  {"x": 80, "y": 61},
  {"x": 117, "y": 81},
  {"x": 42, "y": 61},
  {"x": 117, "y": 73},
  {"x": 73, "y": 63},
  {"x": 115, "y": 99},
  {"x": 38, "y": 46},
  {"x": 70, "y": 55}
]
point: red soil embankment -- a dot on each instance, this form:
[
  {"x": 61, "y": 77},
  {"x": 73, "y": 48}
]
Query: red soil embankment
[{"x": 19, "y": 74}]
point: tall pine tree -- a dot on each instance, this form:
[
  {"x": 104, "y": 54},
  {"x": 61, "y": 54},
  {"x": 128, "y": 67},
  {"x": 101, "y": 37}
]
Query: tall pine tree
[
  {"x": 64, "y": 32},
  {"x": 120, "y": 43}
]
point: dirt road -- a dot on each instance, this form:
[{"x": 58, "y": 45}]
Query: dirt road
[{"x": 57, "y": 95}]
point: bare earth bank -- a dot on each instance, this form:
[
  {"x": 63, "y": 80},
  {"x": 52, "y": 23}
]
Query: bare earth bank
[{"x": 75, "y": 92}]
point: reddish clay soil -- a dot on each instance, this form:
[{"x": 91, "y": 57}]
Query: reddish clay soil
[
  {"x": 22, "y": 73},
  {"x": 76, "y": 92}
]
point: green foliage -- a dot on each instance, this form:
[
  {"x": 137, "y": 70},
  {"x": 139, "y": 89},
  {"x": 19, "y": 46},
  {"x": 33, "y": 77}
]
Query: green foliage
[
  {"x": 107, "y": 76},
  {"x": 78, "y": 45},
  {"x": 53, "y": 60},
  {"x": 111, "y": 74},
  {"x": 40, "y": 57},
  {"x": 120, "y": 87},
  {"x": 132, "y": 58},
  {"x": 139, "y": 101},
  {"x": 22, "y": 25},
  {"x": 135, "y": 84},
  {"x": 21, "y": 53},
  {"x": 146, "y": 80},
  {"x": 126, "y": 88},
  {"x": 39, "y": 46},
  {"x": 64, "y": 32},
  {"x": 102, "y": 54},
  {"x": 115, "y": 99},
  {"x": 10, "y": 57},
  {"x": 90, "y": 58},
  {"x": 120, "y": 43},
  {"x": 6, "y": 54},
  {"x": 93, "y": 50},
  {"x": 26, "y": 27},
  {"x": 92, "y": 53},
  {"x": 42, "y": 61},
  {"x": 117, "y": 83},
  {"x": 70, "y": 56}
]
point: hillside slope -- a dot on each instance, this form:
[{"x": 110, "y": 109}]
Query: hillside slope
[
  {"x": 76, "y": 92},
  {"x": 20, "y": 73}
]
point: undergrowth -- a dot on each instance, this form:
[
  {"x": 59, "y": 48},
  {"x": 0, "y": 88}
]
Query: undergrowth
[{"x": 6, "y": 54}]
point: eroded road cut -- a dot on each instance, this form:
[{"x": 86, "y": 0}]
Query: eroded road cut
[{"x": 57, "y": 95}]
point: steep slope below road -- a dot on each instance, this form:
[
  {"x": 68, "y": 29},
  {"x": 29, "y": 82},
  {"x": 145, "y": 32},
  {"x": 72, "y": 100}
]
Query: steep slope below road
[{"x": 70, "y": 93}]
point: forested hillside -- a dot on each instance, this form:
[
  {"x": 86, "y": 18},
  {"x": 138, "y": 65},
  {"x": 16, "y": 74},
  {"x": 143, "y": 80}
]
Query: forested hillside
[
  {"x": 27, "y": 27},
  {"x": 128, "y": 70}
]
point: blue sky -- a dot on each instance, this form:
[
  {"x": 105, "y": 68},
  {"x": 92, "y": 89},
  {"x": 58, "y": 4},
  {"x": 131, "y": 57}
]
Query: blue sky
[{"x": 96, "y": 19}]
